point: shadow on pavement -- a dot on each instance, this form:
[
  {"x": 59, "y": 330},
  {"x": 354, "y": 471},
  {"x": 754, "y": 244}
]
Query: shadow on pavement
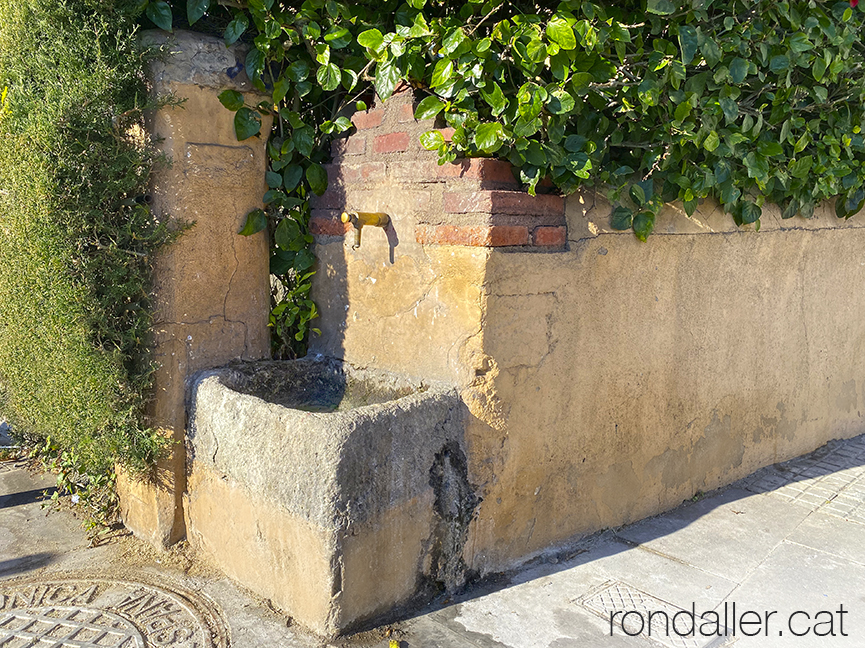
[
  {"x": 25, "y": 563},
  {"x": 830, "y": 479},
  {"x": 26, "y": 497}
]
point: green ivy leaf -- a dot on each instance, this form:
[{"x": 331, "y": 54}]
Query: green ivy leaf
[
  {"x": 738, "y": 70},
  {"x": 274, "y": 180},
  {"x": 236, "y": 28},
  {"x": 750, "y": 213},
  {"x": 850, "y": 204},
  {"x": 757, "y": 165},
  {"x": 799, "y": 42},
  {"x": 709, "y": 48},
  {"x": 256, "y": 221},
  {"x": 661, "y": 7},
  {"x": 254, "y": 62},
  {"x": 622, "y": 218},
  {"x": 495, "y": 98},
  {"x": 304, "y": 140},
  {"x": 559, "y": 31},
  {"x": 730, "y": 109},
  {"x": 644, "y": 223},
  {"x": 273, "y": 196},
  {"x": 452, "y": 41},
  {"x": 298, "y": 71},
  {"x": 779, "y": 63},
  {"x": 442, "y": 73},
  {"x": 819, "y": 69},
  {"x": 683, "y": 110},
  {"x": 338, "y": 37},
  {"x": 328, "y": 77},
  {"x": 280, "y": 263},
  {"x": 231, "y": 99},
  {"x": 304, "y": 260},
  {"x": 286, "y": 233},
  {"x": 280, "y": 89},
  {"x": 560, "y": 102},
  {"x": 790, "y": 209},
  {"x": 712, "y": 141},
  {"x": 432, "y": 140},
  {"x": 801, "y": 167},
  {"x": 195, "y": 9},
  {"x": 246, "y": 123},
  {"x": 291, "y": 176},
  {"x": 488, "y": 137},
  {"x": 371, "y": 38},
  {"x": 316, "y": 176},
  {"x": 688, "y": 43},
  {"x": 769, "y": 149},
  {"x": 429, "y": 107},
  {"x": 387, "y": 75},
  {"x": 159, "y": 13}
]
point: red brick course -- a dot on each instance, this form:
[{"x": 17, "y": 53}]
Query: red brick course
[
  {"x": 550, "y": 236},
  {"x": 354, "y": 145},
  {"x": 331, "y": 199},
  {"x": 325, "y": 224},
  {"x": 391, "y": 143},
  {"x": 366, "y": 172},
  {"x": 485, "y": 169},
  {"x": 367, "y": 119},
  {"x": 406, "y": 113}
]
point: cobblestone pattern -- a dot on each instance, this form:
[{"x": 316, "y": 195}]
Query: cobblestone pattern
[{"x": 830, "y": 480}]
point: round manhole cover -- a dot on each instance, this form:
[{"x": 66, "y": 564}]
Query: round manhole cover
[{"x": 105, "y": 613}]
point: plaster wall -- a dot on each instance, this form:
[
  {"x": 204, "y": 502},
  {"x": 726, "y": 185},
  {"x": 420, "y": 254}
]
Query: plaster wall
[
  {"x": 211, "y": 289},
  {"x": 607, "y": 379},
  {"x": 626, "y": 377}
]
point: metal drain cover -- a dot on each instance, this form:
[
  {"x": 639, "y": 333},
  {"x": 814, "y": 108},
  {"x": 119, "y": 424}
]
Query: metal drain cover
[
  {"x": 647, "y": 614},
  {"x": 105, "y": 613}
]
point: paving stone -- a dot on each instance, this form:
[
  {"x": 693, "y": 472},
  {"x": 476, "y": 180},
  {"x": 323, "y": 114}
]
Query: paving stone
[
  {"x": 798, "y": 578},
  {"x": 833, "y": 535},
  {"x": 727, "y": 534},
  {"x": 787, "y": 538}
]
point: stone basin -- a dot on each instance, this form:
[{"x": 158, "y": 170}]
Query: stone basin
[{"x": 339, "y": 493}]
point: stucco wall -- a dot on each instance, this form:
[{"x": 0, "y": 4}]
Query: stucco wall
[
  {"x": 627, "y": 376},
  {"x": 211, "y": 287},
  {"x": 607, "y": 379}
]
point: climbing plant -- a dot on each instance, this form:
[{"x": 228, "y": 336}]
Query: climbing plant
[{"x": 742, "y": 101}]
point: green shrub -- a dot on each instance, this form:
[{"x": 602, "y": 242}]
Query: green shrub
[
  {"x": 746, "y": 102},
  {"x": 75, "y": 245}
]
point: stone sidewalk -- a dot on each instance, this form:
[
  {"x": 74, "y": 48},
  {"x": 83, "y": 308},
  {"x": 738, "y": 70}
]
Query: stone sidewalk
[{"x": 777, "y": 559}]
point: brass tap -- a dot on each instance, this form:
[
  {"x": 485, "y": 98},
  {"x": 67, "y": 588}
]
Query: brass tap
[{"x": 359, "y": 219}]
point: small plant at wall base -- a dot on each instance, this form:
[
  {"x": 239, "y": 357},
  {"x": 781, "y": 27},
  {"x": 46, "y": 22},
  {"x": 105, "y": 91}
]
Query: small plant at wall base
[
  {"x": 653, "y": 101},
  {"x": 76, "y": 239}
]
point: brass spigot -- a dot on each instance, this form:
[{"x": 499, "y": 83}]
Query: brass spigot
[{"x": 359, "y": 219}]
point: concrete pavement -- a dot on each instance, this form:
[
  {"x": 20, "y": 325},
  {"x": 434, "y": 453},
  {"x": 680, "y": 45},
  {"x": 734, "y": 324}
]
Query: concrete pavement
[{"x": 777, "y": 559}]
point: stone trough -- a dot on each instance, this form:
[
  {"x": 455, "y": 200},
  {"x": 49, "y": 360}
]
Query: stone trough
[{"x": 338, "y": 493}]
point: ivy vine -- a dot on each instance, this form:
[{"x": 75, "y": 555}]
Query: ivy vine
[{"x": 742, "y": 101}]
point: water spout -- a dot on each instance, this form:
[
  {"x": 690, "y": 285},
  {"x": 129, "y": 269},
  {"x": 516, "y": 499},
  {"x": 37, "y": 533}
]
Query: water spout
[{"x": 359, "y": 219}]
